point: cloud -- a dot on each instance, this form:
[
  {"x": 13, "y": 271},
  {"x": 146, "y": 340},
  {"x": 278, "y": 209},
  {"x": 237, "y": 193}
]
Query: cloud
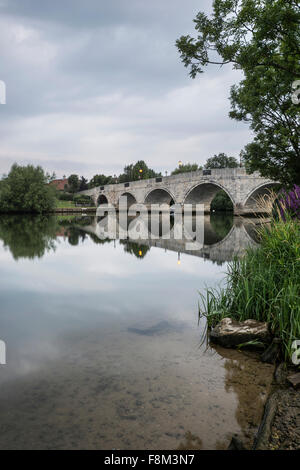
[{"x": 92, "y": 86}]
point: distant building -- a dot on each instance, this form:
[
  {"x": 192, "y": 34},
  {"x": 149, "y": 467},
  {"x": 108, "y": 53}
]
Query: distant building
[{"x": 60, "y": 185}]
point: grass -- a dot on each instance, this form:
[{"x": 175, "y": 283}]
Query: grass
[
  {"x": 64, "y": 204},
  {"x": 263, "y": 285}
]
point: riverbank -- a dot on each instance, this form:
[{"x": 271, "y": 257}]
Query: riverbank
[
  {"x": 74, "y": 210},
  {"x": 263, "y": 286},
  {"x": 261, "y": 303},
  {"x": 280, "y": 425}
]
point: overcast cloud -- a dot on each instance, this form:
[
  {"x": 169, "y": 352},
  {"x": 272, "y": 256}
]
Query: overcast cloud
[{"x": 93, "y": 85}]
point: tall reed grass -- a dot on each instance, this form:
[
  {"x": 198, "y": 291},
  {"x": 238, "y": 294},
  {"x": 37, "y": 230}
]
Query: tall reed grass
[{"x": 263, "y": 285}]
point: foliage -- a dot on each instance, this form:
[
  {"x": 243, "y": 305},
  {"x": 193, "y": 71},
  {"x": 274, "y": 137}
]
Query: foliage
[
  {"x": 221, "y": 225},
  {"x": 73, "y": 183},
  {"x": 139, "y": 251},
  {"x": 83, "y": 199},
  {"x": 186, "y": 168},
  {"x": 221, "y": 202},
  {"x": 25, "y": 189},
  {"x": 263, "y": 98},
  {"x": 100, "y": 180},
  {"x": 221, "y": 161},
  {"x": 260, "y": 37},
  {"x": 132, "y": 172},
  {"x": 64, "y": 196},
  {"x": 83, "y": 184},
  {"x": 50, "y": 177},
  {"x": 75, "y": 235},
  {"x": 264, "y": 285}
]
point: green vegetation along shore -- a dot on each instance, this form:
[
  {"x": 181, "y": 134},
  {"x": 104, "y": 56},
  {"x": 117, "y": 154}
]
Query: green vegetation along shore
[{"x": 264, "y": 285}]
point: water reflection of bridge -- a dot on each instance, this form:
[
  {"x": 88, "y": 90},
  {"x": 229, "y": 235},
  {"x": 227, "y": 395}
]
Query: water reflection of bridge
[{"x": 222, "y": 241}]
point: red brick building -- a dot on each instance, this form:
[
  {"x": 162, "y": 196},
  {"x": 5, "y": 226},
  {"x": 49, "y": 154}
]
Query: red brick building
[{"x": 60, "y": 185}]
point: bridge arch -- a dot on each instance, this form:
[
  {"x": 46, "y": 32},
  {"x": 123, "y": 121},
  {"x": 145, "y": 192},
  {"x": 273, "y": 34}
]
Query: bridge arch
[
  {"x": 160, "y": 196},
  {"x": 102, "y": 199},
  {"x": 256, "y": 196},
  {"x": 204, "y": 193},
  {"x": 131, "y": 199}
]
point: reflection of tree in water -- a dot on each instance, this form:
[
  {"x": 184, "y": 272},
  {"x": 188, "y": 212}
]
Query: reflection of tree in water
[
  {"x": 221, "y": 224},
  {"x": 74, "y": 235},
  {"x": 99, "y": 241},
  {"x": 250, "y": 380},
  {"x": 28, "y": 236},
  {"x": 135, "y": 249},
  {"x": 67, "y": 220}
]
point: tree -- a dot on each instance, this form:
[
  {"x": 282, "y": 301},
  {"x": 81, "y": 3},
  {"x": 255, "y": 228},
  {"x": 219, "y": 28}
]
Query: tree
[
  {"x": 221, "y": 161},
  {"x": 139, "y": 170},
  {"x": 50, "y": 177},
  {"x": 99, "y": 180},
  {"x": 260, "y": 37},
  {"x": 83, "y": 184},
  {"x": 186, "y": 168},
  {"x": 264, "y": 99},
  {"x": 221, "y": 202},
  {"x": 25, "y": 189},
  {"x": 73, "y": 183}
]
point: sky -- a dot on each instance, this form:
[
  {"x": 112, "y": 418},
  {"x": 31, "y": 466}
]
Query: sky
[{"x": 94, "y": 85}]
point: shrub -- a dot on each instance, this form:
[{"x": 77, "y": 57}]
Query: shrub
[
  {"x": 83, "y": 199},
  {"x": 64, "y": 196}
]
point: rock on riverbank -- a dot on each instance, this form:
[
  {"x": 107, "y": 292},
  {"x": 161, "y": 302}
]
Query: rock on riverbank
[{"x": 230, "y": 333}]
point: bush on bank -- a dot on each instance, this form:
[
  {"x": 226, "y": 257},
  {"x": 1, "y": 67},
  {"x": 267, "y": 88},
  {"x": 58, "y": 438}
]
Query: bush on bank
[
  {"x": 64, "y": 196},
  {"x": 25, "y": 189},
  {"x": 264, "y": 285}
]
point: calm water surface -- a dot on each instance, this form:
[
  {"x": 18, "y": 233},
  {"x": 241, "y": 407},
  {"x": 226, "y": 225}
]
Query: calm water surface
[{"x": 103, "y": 343}]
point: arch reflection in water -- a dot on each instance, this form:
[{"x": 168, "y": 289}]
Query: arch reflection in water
[
  {"x": 32, "y": 237},
  {"x": 224, "y": 237}
]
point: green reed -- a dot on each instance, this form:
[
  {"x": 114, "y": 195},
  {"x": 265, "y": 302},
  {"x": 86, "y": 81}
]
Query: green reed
[{"x": 263, "y": 285}]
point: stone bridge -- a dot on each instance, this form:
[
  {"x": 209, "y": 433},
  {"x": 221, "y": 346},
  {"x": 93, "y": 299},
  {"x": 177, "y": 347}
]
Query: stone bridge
[{"x": 198, "y": 187}]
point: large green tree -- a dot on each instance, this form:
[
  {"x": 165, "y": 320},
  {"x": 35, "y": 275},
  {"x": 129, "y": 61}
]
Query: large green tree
[
  {"x": 262, "y": 38},
  {"x": 25, "y": 189}
]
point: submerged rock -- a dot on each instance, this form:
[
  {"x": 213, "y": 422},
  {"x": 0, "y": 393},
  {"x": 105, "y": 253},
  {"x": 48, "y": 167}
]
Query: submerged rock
[
  {"x": 159, "y": 328},
  {"x": 230, "y": 333}
]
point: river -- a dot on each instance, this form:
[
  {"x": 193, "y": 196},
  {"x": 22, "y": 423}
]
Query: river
[{"x": 103, "y": 345}]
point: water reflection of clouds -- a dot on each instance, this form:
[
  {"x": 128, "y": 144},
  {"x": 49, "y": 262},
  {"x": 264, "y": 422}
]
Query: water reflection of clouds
[
  {"x": 55, "y": 272},
  {"x": 70, "y": 321},
  {"x": 90, "y": 286}
]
